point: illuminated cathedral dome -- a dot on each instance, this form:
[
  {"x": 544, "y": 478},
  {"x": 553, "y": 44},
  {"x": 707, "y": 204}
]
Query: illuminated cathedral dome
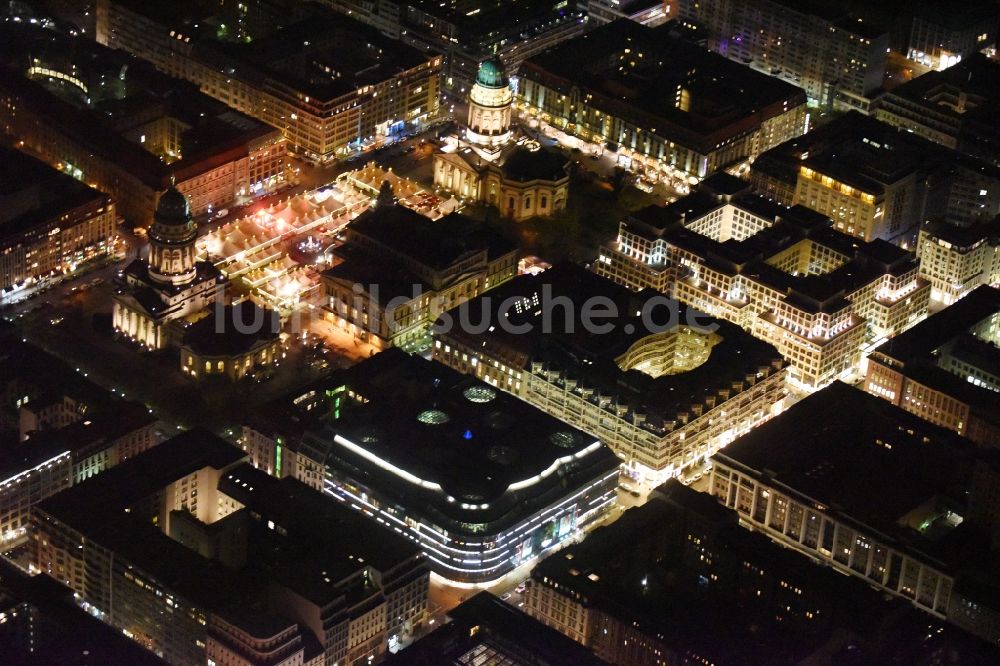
[
  {"x": 490, "y": 102},
  {"x": 172, "y": 208},
  {"x": 492, "y": 74}
]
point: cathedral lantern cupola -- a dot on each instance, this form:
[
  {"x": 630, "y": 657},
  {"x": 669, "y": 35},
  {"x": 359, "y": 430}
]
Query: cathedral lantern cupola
[
  {"x": 490, "y": 105},
  {"x": 171, "y": 240}
]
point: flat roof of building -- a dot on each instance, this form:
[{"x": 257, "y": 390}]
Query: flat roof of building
[
  {"x": 857, "y": 455},
  {"x": 310, "y": 50},
  {"x": 295, "y": 535},
  {"x": 212, "y": 133},
  {"x": 914, "y": 352},
  {"x": 309, "y": 552},
  {"x": 635, "y": 570},
  {"x": 233, "y": 331},
  {"x": 565, "y": 345},
  {"x": 56, "y": 630},
  {"x": 437, "y": 244},
  {"x": 449, "y": 443},
  {"x": 90, "y": 434},
  {"x": 486, "y": 630},
  {"x": 854, "y": 149},
  {"x": 725, "y": 99},
  {"x": 33, "y": 194},
  {"x": 941, "y": 327}
]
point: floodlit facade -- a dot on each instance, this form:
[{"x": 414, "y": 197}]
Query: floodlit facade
[
  {"x": 168, "y": 286},
  {"x": 676, "y": 105},
  {"x": 876, "y": 494},
  {"x": 397, "y": 271},
  {"x": 837, "y": 59},
  {"x": 945, "y": 369},
  {"x": 785, "y": 274},
  {"x": 365, "y": 90},
  {"x": 481, "y": 481},
  {"x": 865, "y": 175},
  {"x": 51, "y": 224},
  {"x": 112, "y": 122},
  {"x": 662, "y": 400},
  {"x": 520, "y": 178},
  {"x": 957, "y": 260}
]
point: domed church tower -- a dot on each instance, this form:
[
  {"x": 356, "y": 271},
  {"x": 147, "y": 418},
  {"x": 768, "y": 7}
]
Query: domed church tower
[
  {"x": 171, "y": 240},
  {"x": 490, "y": 105}
]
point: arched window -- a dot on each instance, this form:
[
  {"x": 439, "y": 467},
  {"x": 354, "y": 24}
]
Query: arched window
[{"x": 544, "y": 203}]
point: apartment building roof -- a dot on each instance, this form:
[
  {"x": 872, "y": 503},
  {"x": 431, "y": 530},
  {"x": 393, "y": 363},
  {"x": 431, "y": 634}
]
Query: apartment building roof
[
  {"x": 103, "y": 123},
  {"x": 235, "y": 330},
  {"x": 485, "y": 629},
  {"x": 856, "y": 150},
  {"x": 309, "y": 51},
  {"x": 856, "y": 455},
  {"x": 33, "y": 194},
  {"x": 635, "y": 72},
  {"x": 861, "y": 262},
  {"x": 562, "y": 343},
  {"x": 636, "y": 571}
]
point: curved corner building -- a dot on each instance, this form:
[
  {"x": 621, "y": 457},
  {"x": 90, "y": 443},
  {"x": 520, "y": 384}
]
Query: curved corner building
[{"x": 481, "y": 480}]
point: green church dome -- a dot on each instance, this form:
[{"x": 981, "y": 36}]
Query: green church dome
[{"x": 492, "y": 74}]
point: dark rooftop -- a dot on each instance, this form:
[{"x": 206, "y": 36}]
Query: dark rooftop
[
  {"x": 437, "y": 244},
  {"x": 854, "y": 149},
  {"x": 485, "y": 630},
  {"x": 311, "y": 49},
  {"x": 140, "y": 94},
  {"x": 460, "y": 445},
  {"x": 241, "y": 327},
  {"x": 44, "y": 626},
  {"x": 543, "y": 164},
  {"x": 858, "y": 455},
  {"x": 593, "y": 358},
  {"x": 33, "y": 193},
  {"x": 726, "y": 98}
]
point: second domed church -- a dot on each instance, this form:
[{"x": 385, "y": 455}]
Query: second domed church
[{"x": 488, "y": 163}]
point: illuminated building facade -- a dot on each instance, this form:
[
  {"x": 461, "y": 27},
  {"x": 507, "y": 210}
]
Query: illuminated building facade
[
  {"x": 956, "y": 260},
  {"x": 646, "y": 12},
  {"x": 113, "y": 122},
  {"x": 482, "y": 482},
  {"x": 345, "y": 87},
  {"x": 940, "y": 39},
  {"x": 956, "y": 107},
  {"x": 945, "y": 369},
  {"x": 647, "y": 589},
  {"x": 662, "y": 399},
  {"x": 490, "y": 104},
  {"x": 171, "y": 284},
  {"x": 837, "y": 59},
  {"x": 875, "y": 493},
  {"x": 233, "y": 342},
  {"x": 160, "y": 549},
  {"x": 59, "y": 429},
  {"x": 49, "y": 223},
  {"x": 674, "y": 103},
  {"x": 43, "y": 623},
  {"x": 52, "y": 460},
  {"x": 866, "y": 176},
  {"x": 785, "y": 274},
  {"x": 397, "y": 271},
  {"x": 522, "y": 179},
  {"x": 488, "y": 630}
]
